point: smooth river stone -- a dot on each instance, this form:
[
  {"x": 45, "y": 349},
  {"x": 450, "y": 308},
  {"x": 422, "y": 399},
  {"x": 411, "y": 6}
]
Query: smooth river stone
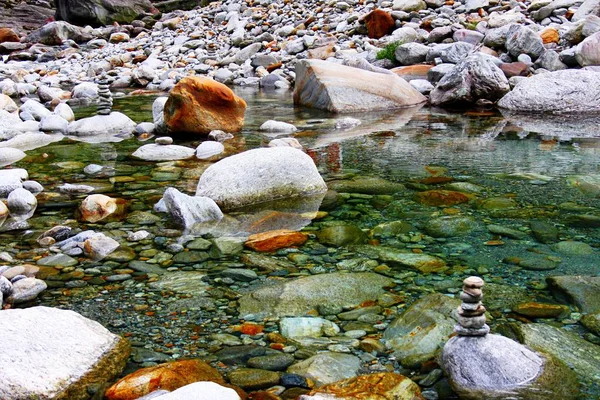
[{"x": 209, "y": 149}]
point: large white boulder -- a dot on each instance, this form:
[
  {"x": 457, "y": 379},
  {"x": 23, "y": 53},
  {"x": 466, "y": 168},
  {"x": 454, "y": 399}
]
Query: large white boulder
[
  {"x": 260, "y": 175},
  {"x": 113, "y": 124},
  {"x": 339, "y": 88},
  {"x": 567, "y": 91},
  {"x": 56, "y": 354}
]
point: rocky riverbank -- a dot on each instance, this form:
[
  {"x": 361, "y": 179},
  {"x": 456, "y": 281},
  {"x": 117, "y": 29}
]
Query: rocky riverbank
[{"x": 250, "y": 275}]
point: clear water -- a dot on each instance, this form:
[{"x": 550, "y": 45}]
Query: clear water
[{"x": 550, "y": 173}]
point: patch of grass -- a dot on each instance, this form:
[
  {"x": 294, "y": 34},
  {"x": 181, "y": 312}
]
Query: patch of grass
[{"x": 388, "y": 51}]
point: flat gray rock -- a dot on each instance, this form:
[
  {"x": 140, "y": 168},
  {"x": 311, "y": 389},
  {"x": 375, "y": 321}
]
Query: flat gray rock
[
  {"x": 567, "y": 91},
  {"x": 157, "y": 152},
  {"x": 299, "y": 296},
  {"x": 113, "y": 124}
]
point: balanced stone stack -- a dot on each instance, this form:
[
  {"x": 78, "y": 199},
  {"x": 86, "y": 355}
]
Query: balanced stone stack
[
  {"x": 105, "y": 97},
  {"x": 471, "y": 313},
  {"x": 480, "y": 365}
]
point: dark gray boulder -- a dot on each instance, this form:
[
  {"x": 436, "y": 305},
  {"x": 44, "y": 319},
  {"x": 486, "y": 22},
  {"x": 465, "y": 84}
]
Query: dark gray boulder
[
  {"x": 101, "y": 12},
  {"x": 522, "y": 40},
  {"x": 476, "y": 77},
  {"x": 57, "y": 32}
]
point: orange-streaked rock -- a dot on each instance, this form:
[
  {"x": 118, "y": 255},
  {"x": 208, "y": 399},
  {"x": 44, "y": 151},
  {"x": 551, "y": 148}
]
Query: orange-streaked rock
[
  {"x": 385, "y": 385},
  {"x": 168, "y": 376},
  {"x": 540, "y": 310},
  {"x": 96, "y": 207},
  {"x": 441, "y": 198},
  {"x": 8, "y": 35},
  {"x": 410, "y": 72},
  {"x": 549, "y": 35},
  {"x": 275, "y": 240},
  {"x": 379, "y": 23},
  {"x": 200, "y": 105}
]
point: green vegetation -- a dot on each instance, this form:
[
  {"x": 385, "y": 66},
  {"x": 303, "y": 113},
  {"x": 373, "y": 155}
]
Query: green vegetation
[{"x": 388, "y": 51}]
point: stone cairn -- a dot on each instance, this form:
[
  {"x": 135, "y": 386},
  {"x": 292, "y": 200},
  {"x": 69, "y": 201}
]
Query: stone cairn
[
  {"x": 471, "y": 313},
  {"x": 105, "y": 97}
]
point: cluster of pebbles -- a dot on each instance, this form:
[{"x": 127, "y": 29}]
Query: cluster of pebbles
[{"x": 19, "y": 285}]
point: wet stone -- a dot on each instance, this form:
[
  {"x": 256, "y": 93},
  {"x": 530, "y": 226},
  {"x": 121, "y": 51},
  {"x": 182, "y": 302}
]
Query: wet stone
[
  {"x": 57, "y": 260},
  {"x": 544, "y": 232},
  {"x": 253, "y": 379},
  {"x": 239, "y": 355},
  {"x": 190, "y": 257},
  {"x": 243, "y": 275},
  {"x": 142, "y": 266},
  {"x": 275, "y": 362},
  {"x": 537, "y": 264}
]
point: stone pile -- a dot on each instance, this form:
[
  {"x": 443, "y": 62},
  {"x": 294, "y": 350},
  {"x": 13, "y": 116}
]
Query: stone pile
[
  {"x": 471, "y": 313},
  {"x": 104, "y": 96},
  {"x": 19, "y": 285}
]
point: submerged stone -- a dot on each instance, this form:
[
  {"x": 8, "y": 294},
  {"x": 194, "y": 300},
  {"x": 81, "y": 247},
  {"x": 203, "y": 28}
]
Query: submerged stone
[
  {"x": 341, "y": 235},
  {"x": 581, "y": 291},
  {"x": 328, "y": 367},
  {"x": 421, "y": 262},
  {"x": 299, "y": 296},
  {"x": 417, "y": 334},
  {"x": 383, "y": 385}
]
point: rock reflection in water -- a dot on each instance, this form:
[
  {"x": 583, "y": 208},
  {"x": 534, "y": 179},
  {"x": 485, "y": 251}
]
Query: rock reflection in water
[{"x": 293, "y": 214}]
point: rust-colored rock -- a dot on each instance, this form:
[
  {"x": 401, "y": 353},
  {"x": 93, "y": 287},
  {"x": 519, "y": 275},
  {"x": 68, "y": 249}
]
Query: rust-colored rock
[
  {"x": 8, "y": 35},
  {"x": 382, "y": 386},
  {"x": 200, "y": 105},
  {"x": 275, "y": 240},
  {"x": 379, "y": 23},
  {"x": 514, "y": 69},
  {"x": 540, "y": 310},
  {"x": 549, "y": 35},
  {"x": 441, "y": 198},
  {"x": 168, "y": 376},
  {"x": 410, "y": 72}
]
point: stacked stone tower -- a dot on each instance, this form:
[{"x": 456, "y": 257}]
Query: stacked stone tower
[
  {"x": 105, "y": 102},
  {"x": 471, "y": 313}
]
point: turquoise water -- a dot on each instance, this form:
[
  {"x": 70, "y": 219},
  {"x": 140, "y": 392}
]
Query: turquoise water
[{"x": 512, "y": 175}]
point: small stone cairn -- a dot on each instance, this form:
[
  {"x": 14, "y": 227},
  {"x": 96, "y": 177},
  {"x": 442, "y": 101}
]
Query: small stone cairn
[
  {"x": 471, "y": 313},
  {"x": 105, "y": 102},
  {"x": 481, "y": 365}
]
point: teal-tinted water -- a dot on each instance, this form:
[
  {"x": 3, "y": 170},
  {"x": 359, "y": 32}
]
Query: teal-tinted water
[{"x": 495, "y": 172}]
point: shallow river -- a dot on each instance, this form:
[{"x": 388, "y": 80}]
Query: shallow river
[{"x": 514, "y": 171}]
